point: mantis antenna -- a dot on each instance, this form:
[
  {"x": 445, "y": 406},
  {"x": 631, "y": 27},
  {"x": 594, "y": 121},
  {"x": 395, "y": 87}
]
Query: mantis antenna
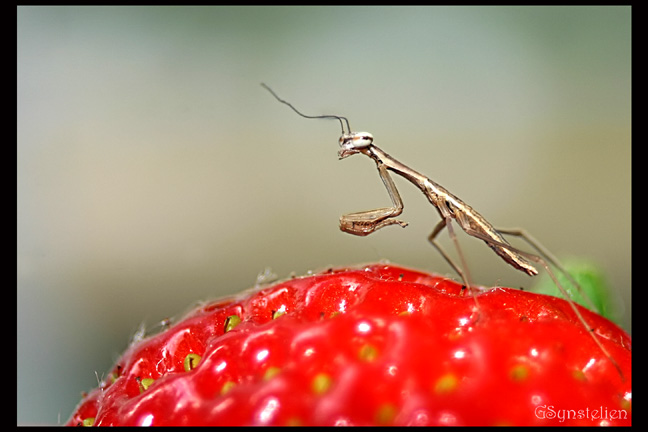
[{"x": 339, "y": 118}]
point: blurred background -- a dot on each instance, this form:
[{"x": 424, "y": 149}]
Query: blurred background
[{"x": 154, "y": 171}]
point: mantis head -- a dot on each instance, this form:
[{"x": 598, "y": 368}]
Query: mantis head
[{"x": 353, "y": 142}]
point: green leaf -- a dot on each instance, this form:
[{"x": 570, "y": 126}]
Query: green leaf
[{"x": 591, "y": 279}]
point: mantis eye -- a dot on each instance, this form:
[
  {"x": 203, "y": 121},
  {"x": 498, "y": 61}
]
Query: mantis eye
[{"x": 356, "y": 140}]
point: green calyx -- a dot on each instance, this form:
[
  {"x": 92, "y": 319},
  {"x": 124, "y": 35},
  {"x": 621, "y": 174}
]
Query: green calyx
[{"x": 592, "y": 281}]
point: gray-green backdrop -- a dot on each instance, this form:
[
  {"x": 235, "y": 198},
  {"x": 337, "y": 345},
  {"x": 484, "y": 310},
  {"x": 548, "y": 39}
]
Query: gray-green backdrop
[{"x": 154, "y": 171}]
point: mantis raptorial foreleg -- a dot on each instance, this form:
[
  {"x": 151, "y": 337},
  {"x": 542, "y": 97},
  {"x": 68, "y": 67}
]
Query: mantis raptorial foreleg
[{"x": 365, "y": 222}]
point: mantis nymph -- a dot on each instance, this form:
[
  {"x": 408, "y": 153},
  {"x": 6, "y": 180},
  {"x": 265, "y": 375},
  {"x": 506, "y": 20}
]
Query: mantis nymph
[{"x": 451, "y": 209}]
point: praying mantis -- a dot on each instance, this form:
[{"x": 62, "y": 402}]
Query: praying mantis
[{"x": 451, "y": 209}]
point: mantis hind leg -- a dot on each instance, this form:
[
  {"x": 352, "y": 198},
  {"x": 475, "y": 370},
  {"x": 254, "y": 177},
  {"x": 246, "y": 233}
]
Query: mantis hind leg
[
  {"x": 548, "y": 258},
  {"x": 544, "y": 258}
]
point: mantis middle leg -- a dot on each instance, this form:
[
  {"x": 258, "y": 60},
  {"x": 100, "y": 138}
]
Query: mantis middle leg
[{"x": 464, "y": 273}]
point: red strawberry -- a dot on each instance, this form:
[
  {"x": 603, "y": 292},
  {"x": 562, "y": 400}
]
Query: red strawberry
[{"x": 379, "y": 345}]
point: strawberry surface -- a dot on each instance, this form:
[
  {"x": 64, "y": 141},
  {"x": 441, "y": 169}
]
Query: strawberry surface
[{"x": 373, "y": 345}]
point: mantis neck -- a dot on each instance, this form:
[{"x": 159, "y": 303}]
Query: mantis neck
[{"x": 380, "y": 157}]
